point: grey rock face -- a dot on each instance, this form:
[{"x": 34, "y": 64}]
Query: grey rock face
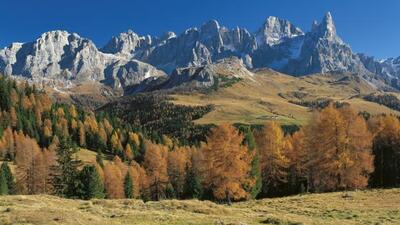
[
  {"x": 275, "y": 31},
  {"x": 391, "y": 67},
  {"x": 278, "y": 44},
  {"x": 59, "y": 55},
  {"x": 128, "y": 59},
  {"x": 205, "y": 75},
  {"x": 55, "y": 54},
  {"x": 319, "y": 51},
  {"x": 202, "y": 46},
  {"x": 388, "y": 69},
  {"x": 131, "y": 45},
  {"x": 124, "y": 73},
  {"x": 128, "y": 43}
]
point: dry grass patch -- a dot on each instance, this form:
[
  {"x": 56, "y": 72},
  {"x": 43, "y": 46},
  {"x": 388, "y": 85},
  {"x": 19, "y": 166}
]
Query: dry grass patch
[
  {"x": 267, "y": 96},
  {"x": 360, "y": 207}
]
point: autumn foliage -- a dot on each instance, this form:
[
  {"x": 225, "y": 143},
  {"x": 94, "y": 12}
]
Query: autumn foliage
[
  {"x": 226, "y": 164},
  {"x": 339, "y": 149}
]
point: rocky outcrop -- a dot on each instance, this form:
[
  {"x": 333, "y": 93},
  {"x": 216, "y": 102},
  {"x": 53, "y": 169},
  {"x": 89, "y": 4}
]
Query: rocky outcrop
[{"x": 205, "y": 76}]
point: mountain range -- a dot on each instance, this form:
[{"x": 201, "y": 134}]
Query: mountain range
[{"x": 130, "y": 60}]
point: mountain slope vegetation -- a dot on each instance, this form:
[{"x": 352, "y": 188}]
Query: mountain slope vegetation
[{"x": 269, "y": 95}]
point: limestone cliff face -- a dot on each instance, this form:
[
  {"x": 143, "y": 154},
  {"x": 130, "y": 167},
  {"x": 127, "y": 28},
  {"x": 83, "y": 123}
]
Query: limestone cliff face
[{"x": 59, "y": 55}]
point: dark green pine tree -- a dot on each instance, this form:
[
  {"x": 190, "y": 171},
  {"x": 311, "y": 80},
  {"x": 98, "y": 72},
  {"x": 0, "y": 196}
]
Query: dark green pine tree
[
  {"x": 3, "y": 184},
  {"x": 170, "y": 192},
  {"x": 91, "y": 185},
  {"x": 1, "y": 129},
  {"x": 65, "y": 176},
  {"x": 142, "y": 150},
  {"x": 5, "y": 169},
  {"x": 193, "y": 187},
  {"x": 128, "y": 186},
  {"x": 255, "y": 172},
  {"x": 5, "y": 88}
]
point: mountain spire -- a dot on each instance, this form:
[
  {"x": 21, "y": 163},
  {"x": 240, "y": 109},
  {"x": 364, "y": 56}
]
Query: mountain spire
[
  {"x": 327, "y": 27},
  {"x": 328, "y": 22}
]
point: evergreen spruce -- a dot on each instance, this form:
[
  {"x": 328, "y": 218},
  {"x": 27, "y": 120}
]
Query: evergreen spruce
[
  {"x": 170, "y": 192},
  {"x": 1, "y": 129},
  {"x": 142, "y": 150},
  {"x": 3, "y": 184},
  {"x": 250, "y": 141},
  {"x": 255, "y": 164},
  {"x": 5, "y": 169},
  {"x": 256, "y": 173},
  {"x": 91, "y": 185},
  {"x": 193, "y": 186},
  {"x": 65, "y": 177},
  {"x": 128, "y": 186}
]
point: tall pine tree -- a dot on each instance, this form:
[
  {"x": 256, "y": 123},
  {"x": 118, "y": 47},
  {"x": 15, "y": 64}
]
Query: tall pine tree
[
  {"x": 128, "y": 186},
  {"x": 5, "y": 169},
  {"x": 255, "y": 163},
  {"x": 65, "y": 176},
  {"x": 91, "y": 184},
  {"x": 3, "y": 184},
  {"x": 193, "y": 186}
]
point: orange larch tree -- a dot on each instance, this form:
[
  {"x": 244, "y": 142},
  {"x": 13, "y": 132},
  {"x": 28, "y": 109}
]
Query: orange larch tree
[
  {"x": 155, "y": 163},
  {"x": 113, "y": 181},
  {"x": 178, "y": 163},
  {"x": 339, "y": 152},
  {"x": 274, "y": 163},
  {"x": 226, "y": 164}
]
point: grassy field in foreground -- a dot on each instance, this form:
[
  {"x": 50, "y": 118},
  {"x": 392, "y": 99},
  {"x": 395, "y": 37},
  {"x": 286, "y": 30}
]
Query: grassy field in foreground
[{"x": 363, "y": 207}]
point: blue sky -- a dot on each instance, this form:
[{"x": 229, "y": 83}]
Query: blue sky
[{"x": 369, "y": 26}]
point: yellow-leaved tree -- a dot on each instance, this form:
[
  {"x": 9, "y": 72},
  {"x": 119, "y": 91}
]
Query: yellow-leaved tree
[
  {"x": 339, "y": 150},
  {"x": 274, "y": 163},
  {"x": 226, "y": 164}
]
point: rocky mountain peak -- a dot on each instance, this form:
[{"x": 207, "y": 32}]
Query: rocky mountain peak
[
  {"x": 323, "y": 51},
  {"x": 127, "y": 43},
  {"x": 168, "y": 35},
  {"x": 275, "y": 30},
  {"x": 130, "y": 58},
  {"x": 211, "y": 26},
  {"x": 55, "y": 35},
  {"x": 68, "y": 58},
  {"x": 327, "y": 29}
]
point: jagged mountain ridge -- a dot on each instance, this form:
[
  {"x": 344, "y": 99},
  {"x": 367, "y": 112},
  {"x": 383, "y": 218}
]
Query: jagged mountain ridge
[
  {"x": 129, "y": 59},
  {"x": 59, "y": 55},
  {"x": 387, "y": 69},
  {"x": 278, "y": 44}
]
